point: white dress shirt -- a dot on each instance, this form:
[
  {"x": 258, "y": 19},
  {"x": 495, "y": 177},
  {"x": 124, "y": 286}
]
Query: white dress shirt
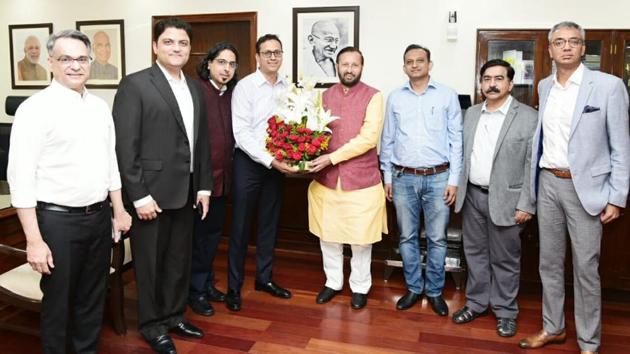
[
  {"x": 62, "y": 149},
  {"x": 557, "y": 118},
  {"x": 485, "y": 142},
  {"x": 254, "y": 100}
]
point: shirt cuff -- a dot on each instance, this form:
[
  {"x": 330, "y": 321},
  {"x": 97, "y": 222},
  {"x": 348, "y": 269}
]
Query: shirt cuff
[
  {"x": 387, "y": 177},
  {"x": 204, "y": 193},
  {"x": 142, "y": 202},
  {"x": 453, "y": 180}
]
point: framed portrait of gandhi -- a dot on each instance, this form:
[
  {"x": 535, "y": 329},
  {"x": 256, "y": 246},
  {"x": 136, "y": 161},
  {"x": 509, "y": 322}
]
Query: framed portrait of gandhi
[
  {"x": 108, "y": 52},
  {"x": 29, "y": 57},
  {"x": 319, "y": 33}
]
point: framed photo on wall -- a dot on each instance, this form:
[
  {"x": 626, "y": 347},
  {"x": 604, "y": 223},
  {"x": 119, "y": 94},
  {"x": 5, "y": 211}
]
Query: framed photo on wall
[
  {"x": 319, "y": 33},
  {"x": 29, "y": 57},
  {"x": 108, "y": 52}
]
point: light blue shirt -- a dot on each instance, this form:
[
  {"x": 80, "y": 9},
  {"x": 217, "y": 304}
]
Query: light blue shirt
[
  {"x": 422, "y": 130},
  {"x": 254, "y": 101}
]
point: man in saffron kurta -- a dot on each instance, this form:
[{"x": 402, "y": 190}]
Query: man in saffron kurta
[{"x": 346, "y": 203}]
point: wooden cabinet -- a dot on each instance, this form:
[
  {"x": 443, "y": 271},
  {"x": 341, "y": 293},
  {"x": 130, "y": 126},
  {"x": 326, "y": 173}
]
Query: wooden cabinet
[{"x": 606, "y": 50}]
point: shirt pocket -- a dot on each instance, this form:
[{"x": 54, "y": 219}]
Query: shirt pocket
[{"x": 435, "y": 117}]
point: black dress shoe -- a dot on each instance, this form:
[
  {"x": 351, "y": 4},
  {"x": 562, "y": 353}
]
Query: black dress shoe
[
  {"x": 326, "y": 295},
  {"x": 163, "y": 344},
  {"x": 506, "y": 327},
  {"x": 408, "y": 300},
  {"x": 201, "y": 306},
  {"x": 358, "y": 301},
  {"x": 438, "y": 305},
  {"x": 465, "y": 315},
  {"x": 233, "y": 301},
  {"x": 273, "y": 289},
  {"x": 186, "y": 329},
  {"x": 215, "y": 294}
]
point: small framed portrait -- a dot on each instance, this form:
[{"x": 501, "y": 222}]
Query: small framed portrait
[
  {"x": 29, "y": 57},
  {"x": 108, "y": 52},
  {"x": 319, "y": 33}
]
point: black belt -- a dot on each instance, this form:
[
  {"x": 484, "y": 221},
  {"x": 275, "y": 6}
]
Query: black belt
[
  {"x": 422, "y": 171},
  {"x": 92, "y": 208},
  {"x": 482, "y": 189}
]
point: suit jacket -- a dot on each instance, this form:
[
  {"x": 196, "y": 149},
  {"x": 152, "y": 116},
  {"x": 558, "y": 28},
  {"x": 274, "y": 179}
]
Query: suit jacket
[
  {"x": 599, "y": 141},
  {"x": 151, "y": 142},
  {"x": 509, "y": 178}
]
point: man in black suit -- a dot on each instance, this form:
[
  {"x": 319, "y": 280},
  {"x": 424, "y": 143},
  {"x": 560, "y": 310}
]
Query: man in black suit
[{"x": 163, "y": 153}]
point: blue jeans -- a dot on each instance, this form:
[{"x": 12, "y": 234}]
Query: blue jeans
[{"x": 412, "y": 196}]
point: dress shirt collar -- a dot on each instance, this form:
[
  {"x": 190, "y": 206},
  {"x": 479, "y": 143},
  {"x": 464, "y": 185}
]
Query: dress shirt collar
[
  {"x": 432, "y": 84},
  {"x": 171, "y": 80},
  {"x": 63, "y": 90},
  {"x": 221, "y": 89},
  {"x": 575, "y": 78},
  {"x": 503, "y": 109},
  {"x": 260, "y": 79}
]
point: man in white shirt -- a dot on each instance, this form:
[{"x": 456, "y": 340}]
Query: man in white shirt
[
  {"x": 164, "y": 156},
  {"x": 62, "y": 167},
  {"x": 580, "y": 169},
  {"x": 258, "y": 177},
  {"x": 494, "y": 197}
]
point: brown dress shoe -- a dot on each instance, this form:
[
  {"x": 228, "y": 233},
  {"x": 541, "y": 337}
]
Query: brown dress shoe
[{"x": 541, "y": 339}]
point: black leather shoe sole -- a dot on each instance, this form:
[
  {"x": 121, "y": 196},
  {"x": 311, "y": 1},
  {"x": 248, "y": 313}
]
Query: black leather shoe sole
[
  {"x": 407, "y": 301},
  {"x": 326, "y": 295}
]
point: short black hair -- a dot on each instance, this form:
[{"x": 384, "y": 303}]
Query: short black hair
[
  {"x": 417, "y": 46},
  {"x": 497, "y": 62},
  {"x": 265, "y": 38},
  {"x": 350, "y": 49},
  {"x": 176, "y": 22},
  {"x": 202, "y": 68}
]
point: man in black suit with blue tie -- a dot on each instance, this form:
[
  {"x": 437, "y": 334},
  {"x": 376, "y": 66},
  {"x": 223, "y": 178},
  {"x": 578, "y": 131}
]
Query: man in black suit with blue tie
[{"x": 163, "y": 153}]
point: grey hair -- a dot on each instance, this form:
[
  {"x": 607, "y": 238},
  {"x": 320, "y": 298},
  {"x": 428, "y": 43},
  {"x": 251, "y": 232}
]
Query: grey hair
[
  {"x": 74, "y": 34},
  {"x": 566, "y": 24}
]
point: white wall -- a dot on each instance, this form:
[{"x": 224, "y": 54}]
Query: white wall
[{"x": 386, "y": 28}]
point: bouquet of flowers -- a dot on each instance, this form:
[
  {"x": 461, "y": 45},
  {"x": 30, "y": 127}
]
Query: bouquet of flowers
[{"x": 297, "y": 132}]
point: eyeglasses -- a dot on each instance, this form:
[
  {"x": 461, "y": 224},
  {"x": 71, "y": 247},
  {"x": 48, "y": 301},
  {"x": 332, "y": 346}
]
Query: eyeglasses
[
  {"x": 561, "y": 42},
  {"x": 66, "y": 60},
  {"x": 224, "y": 63},
  {"x": 268, "y": 54},
  {"x": 327, "y": 39}
]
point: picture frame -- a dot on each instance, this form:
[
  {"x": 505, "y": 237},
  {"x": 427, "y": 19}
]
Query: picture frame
[
  {"x": 108, "y": 51},
  {"x": 319, "y": 33},
  {"x": 28, "y": 54}
]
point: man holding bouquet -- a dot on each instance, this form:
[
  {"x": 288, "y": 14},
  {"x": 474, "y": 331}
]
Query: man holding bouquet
[
  {"x": 346, "y": 203},
  {"x": 258, "y": 177}
]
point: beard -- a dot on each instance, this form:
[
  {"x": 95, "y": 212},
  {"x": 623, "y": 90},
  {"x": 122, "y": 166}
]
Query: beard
[{"x": 350, "y": 83}]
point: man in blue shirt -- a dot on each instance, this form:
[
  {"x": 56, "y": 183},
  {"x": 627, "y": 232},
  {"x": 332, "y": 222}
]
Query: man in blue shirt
[{"x": 421, "y": 157}]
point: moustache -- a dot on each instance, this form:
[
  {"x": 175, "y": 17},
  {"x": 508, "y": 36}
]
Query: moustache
[{"x": 493, "y": 89}]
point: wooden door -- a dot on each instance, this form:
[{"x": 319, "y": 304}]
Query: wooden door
[{"x": 208, "y": 29}]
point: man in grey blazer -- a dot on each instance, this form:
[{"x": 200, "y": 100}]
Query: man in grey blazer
[
  {"x": 580, "y": 171},
  {"x": 494, "y": 197}
]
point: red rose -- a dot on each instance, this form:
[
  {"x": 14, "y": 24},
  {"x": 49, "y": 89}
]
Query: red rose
[
  {"x": 279, "y": 156},
  {"x": 301, "y": 147},
  {"x": 296, "y": 156}
]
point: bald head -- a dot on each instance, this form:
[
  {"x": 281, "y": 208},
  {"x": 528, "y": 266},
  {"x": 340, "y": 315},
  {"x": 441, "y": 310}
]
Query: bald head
[
  {"x": 324, "y": 38},
  {"x": 32, "y": 49},
  {"x": 102, "y": 47}
]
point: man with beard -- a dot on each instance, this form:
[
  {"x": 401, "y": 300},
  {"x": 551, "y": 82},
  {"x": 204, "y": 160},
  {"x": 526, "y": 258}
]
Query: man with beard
[
  {"x": 346, "y": 204},
  {"x": 494, "y": 195},
  {"x": 421, "y": 157},
  {"x": 101, "y": 69},
  {"x": 319, "y": 56},
  {"x": 29, "y": 68}
]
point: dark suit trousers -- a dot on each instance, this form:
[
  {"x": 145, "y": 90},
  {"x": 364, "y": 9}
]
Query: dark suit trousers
[
  {"x": 74, "y": 292},
  {"x": 493, "y": 255},
  {"x": 161, "y": 250},
  {"x": 206, "y": 238},
  {"x": 254, "y": 186}
]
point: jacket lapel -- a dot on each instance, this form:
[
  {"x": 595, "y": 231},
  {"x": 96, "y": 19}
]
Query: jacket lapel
[
  {"x": 583, "y": 94},
  {"x": 509, "y": 118},
  {"x": 161, "y": 84}
]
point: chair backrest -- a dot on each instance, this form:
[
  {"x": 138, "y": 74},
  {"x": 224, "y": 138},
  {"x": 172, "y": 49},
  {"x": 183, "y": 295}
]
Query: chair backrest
[{"x": 11, "y": 104}]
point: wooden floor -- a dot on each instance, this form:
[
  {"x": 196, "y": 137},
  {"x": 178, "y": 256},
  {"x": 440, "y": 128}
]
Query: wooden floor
[{"x": 298, "y": 325}]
